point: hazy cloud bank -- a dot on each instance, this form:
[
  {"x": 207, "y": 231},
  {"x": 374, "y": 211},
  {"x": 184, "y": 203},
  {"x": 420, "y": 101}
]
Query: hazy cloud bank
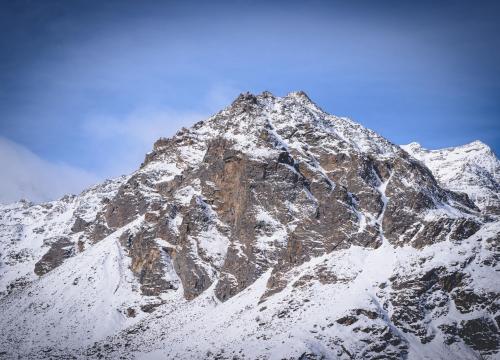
[
  {"x": 113, "y": 145},
  {"x": 123, "y": 140},
  {"x": 25, "y": 175}
]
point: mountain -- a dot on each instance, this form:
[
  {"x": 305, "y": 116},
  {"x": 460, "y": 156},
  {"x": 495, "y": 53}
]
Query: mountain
[
  {"x": 472, "y": 169},
  {"x": 271, "y": 230}
]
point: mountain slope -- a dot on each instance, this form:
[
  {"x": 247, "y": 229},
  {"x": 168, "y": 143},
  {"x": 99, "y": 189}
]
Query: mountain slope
[
  {"x": 271, "y": 229},
  {"x": 29, "y": 231},
  {"x": 366, "y": 304}
]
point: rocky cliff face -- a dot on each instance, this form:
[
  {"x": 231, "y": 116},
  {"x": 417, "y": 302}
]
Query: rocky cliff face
[{"x": 272, "y": 229}]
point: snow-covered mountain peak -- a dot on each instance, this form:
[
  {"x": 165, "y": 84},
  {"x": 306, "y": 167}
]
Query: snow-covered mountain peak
[
  {"x": 270, "y": 230},
  {"x": 474, "y": 146},
  {"x": 298, "y": 118},
  {"x": 472, "y": 168},
  {"x": 414, "y": 146},
  {"x": 267, "y": 101},
  {"x": 301, "y": 96}
]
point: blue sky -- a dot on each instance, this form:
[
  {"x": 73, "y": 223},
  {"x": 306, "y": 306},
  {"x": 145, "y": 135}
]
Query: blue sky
[{"x": 87, "y": 86}]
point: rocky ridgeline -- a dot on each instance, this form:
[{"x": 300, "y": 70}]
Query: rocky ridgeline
[{"x": 258, "y": 193}]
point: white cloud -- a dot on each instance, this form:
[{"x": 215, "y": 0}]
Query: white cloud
[
  {"x": 118, "y": 143},
  {"x": 24, "y": 175},
  {"x": 124, "y": 140},
  {"x": 143, "y": 127}
]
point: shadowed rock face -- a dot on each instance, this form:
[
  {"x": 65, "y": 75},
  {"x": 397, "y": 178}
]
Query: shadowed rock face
[
  {"x": 269, "y": 185},
  {"x": 59, "y": 250},
  {"x": 148, "y": 261}
]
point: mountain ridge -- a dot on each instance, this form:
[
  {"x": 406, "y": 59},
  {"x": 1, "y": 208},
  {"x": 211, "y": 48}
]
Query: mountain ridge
[{"x": 472, "y": 168}]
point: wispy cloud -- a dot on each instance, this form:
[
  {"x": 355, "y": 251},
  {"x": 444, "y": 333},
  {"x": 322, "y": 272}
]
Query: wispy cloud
[
  {"x": 125, "y": 139},
  {"x": 119, "y": 144},
  {"x": 25, "y": 175},
  {"x": 142, "y": 127},
  {"x": 147, "y": 125}
]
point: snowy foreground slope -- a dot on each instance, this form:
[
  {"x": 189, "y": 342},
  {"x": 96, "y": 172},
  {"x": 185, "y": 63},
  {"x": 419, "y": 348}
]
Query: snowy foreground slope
[{"x": 271, "y": 230}]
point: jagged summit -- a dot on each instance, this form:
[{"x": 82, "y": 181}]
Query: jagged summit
[
  {"x": 270, "y": 230},
  {"x": 413, "y": 145},
  {"x": 478, "y": 144},
  {"x": 266, "y": 98},
  {"x": 252, "y": 120},
  {"x": 267, "y": 94},
  {"x": 301, "y": 96}
]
